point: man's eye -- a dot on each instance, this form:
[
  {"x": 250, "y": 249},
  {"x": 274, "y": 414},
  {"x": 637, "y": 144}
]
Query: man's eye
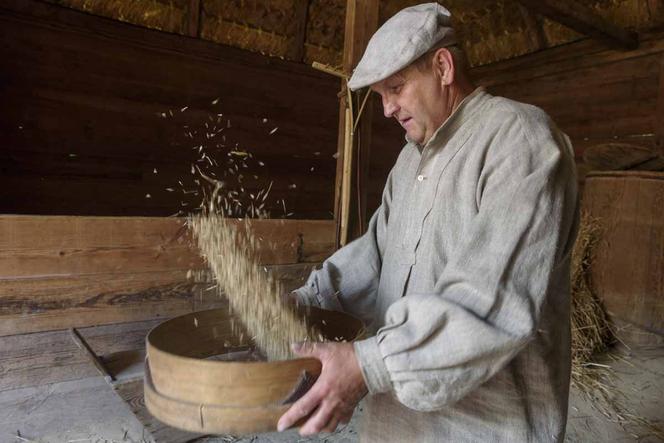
[{"x": 396, "y": 89}]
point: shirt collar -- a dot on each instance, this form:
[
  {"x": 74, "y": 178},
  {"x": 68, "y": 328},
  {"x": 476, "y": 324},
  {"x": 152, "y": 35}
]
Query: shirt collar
[{"x": 468, "y": 106}]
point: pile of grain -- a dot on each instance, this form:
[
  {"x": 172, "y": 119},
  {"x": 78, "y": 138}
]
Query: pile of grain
[{"x": 254, "y": 295}]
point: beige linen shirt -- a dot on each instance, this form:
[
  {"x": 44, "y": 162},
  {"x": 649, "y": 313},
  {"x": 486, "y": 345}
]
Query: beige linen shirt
[{"x": 463, "y": 276}]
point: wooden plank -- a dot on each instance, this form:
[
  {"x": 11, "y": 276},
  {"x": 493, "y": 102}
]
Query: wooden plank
[
  {"x": 575, "y": 15},
  {"x": 50, "y": 357},
  {"x": 127, "y": 368},
  {"x": 61, "y": 272},
  {"x": 44, "y": 356},
  {"x": 132, "y": 393},
  {"x": 80, "y": 410},
  {"x": 44, "y": 304},
  {"x": 633, "y": 79},
  {"x": 617, "y": 156},
  {"x": 296, "y": 44},
  {"x": 32, "y": 246}
]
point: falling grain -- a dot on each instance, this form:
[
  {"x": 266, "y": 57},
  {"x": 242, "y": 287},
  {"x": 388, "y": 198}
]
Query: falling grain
[{"x": 255, "y": 297}]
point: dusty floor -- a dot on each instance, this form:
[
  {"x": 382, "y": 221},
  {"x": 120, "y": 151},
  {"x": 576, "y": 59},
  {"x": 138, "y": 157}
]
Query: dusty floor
[{"x": 89, "y": 411}]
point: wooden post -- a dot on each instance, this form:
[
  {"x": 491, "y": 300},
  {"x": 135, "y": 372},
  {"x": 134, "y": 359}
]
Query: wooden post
[{"x": 351, "y": 180}]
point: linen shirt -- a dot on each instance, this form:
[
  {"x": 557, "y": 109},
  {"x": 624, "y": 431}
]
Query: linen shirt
[{"x": 463, "y": 277}]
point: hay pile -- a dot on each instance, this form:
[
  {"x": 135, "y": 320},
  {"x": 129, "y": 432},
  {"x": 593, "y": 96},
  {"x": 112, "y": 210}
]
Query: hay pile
[
  {"x": 591, "y": 330},
  {"x": 254, "y": 295},
  {"x": 592, "y": 334}
]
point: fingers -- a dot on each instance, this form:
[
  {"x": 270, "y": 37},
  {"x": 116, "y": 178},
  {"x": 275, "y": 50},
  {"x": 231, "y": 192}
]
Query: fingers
[
  {"x": 320, "y": 421},
  {"x": 331, "y": 425},
  {"x": 309, "y": 349},
  {"x": 300, "y": 409},
  {"x": 344, "y": 419}
]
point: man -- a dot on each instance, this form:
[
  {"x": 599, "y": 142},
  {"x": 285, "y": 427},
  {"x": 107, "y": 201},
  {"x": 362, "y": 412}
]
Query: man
[{"x": 463, "y": 273}]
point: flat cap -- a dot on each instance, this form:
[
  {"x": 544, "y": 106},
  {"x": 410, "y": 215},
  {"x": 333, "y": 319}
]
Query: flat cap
[{"x": 401, "y": 40}]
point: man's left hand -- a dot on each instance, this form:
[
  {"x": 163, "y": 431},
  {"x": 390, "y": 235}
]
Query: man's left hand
[{"x": 332, "y": 399}]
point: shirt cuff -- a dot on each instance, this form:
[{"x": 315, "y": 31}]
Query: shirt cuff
[
  {"x": 305, "y": 298},
  {"x": 373, "y": 366}
]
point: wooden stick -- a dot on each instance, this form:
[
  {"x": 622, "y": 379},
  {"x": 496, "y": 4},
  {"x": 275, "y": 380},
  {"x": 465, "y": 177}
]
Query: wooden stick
[
  {"x": 346, "y": 176},
  {"x": 83, "y": 345},
  {"x": 329, "y": 70},
  {"x": 359, "y": 113}
]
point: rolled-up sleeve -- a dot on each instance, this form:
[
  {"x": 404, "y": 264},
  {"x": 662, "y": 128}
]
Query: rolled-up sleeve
[{"x": 435, "y": 348}]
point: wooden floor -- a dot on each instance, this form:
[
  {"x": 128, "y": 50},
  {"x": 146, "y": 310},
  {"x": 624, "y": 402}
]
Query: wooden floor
[{"x": 88, "y": 410}]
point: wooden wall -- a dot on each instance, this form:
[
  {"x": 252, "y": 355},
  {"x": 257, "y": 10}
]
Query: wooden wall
[
  {"x": 114, "y": 278},
  {"x": 92, "y": 120},
  {"x": 82, "y": 126},
  {"x": 596, "y": 95}
]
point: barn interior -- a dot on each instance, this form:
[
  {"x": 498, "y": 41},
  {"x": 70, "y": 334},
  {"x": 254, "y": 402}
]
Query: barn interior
[{"x": 113, "y": 111}]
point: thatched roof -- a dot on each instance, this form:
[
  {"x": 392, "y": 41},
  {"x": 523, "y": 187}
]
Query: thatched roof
[{"x": 491, "y": 30}]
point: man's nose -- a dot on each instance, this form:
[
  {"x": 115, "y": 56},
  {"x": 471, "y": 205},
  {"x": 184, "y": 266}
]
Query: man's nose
[{"x": 389, "y": 108}]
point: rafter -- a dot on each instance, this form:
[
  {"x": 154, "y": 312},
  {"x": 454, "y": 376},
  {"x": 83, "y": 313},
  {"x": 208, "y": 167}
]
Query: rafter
[
  {"x": 296, "y": 45},
  {"x": 582, "y": 19},
  {"x": 533, "y": 24},
  {"x": 194, "y": 9}
]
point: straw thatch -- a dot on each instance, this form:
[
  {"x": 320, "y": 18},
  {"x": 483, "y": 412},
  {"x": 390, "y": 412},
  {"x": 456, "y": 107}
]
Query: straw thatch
[{"x": 490, "y": 30}]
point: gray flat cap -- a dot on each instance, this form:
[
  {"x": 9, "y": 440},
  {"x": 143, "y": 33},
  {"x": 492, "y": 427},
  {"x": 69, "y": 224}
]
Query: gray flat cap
[{"x": 401, "y": 40}]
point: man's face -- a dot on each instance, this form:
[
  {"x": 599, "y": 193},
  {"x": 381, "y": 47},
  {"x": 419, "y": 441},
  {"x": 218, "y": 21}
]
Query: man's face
[{"x": 417, "y": 99}]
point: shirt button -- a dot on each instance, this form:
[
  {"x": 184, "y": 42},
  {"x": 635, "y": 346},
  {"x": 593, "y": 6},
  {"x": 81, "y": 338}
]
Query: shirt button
[{"x": 420, "y": 178}]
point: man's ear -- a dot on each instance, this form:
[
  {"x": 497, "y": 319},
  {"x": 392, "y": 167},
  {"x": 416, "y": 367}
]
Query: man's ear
[{"x": 443, "y": 65}]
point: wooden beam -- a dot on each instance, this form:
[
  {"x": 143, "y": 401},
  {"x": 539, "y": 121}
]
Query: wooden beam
[
  {"x": 583, "y": 54},
  {"x": 194, "y": 10},
  {"x": 361, "y": 23},
  {"x": 581, "y": 18},
  {"x": 296, "y": 46},
  {"x": 534, "y": 27}
]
